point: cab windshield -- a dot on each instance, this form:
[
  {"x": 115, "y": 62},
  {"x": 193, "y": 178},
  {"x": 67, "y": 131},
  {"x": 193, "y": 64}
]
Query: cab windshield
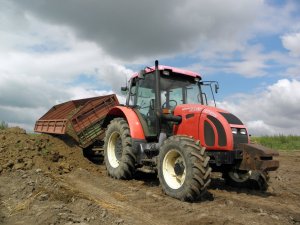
[{"x": 176, "y": 89}]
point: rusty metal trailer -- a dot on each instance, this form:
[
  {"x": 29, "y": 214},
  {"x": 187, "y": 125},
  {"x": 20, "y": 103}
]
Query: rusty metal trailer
[{"x": 80, "y": 119}]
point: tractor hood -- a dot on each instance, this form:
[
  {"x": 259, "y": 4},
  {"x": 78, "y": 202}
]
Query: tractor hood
[{"x": 216, "y": 129}]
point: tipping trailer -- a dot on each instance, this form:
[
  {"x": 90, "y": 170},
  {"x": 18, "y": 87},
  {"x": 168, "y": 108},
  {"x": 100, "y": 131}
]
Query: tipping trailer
[
  {"x": 168, "y": 125},
  {"x": 81, "y": 119}
]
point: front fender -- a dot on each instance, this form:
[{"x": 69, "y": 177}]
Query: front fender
[{"x": 135, "y": 126}]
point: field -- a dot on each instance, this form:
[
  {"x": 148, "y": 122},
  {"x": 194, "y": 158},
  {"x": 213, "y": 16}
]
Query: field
[
  {"x": 46, "y": 180},
  {"x": 279, "y": 142}
]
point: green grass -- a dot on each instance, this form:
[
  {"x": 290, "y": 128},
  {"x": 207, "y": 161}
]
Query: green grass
[
  {"x": 3, "y": 125},
  {"x": 279, "y": 142}
]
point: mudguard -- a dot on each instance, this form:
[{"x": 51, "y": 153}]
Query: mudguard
[{"x": 135, "y": 126}]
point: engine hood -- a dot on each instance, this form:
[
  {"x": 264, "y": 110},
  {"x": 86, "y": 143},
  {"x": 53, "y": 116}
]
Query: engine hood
[
  {"x": 197, "y": 108},
  {"x": 217, "y": 129},
  {"x": 218, "y": 113}
]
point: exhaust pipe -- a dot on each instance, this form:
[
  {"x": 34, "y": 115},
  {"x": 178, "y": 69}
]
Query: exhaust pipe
[{"x": 157, "y": 97}]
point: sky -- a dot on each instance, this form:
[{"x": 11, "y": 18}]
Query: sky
[{"x": 55, "y": 51}]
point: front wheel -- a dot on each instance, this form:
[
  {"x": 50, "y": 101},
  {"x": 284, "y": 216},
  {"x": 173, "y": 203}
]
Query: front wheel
[
  {"x": 183, "y": 168},
  {"x": 247, "y": 179},
  {"x": 118, "y": 154}
]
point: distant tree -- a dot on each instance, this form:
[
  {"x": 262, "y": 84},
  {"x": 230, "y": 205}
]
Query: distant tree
[{"x": 3, "y": 125}]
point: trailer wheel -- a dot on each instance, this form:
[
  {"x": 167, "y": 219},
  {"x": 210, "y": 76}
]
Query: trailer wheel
[
  {"x": 247, "y": 179},
  {"x": 118, "y": 155},
  {"x": 183, "y": 168}
]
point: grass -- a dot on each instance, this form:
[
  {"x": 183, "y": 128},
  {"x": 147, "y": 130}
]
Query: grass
[
  {"x": 279, "y": 142},
  {"x": 3, "y": 125}
]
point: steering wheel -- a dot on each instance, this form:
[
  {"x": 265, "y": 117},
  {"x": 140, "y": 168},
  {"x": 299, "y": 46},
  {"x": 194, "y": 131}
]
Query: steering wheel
[{"x": 171, "y": 105}]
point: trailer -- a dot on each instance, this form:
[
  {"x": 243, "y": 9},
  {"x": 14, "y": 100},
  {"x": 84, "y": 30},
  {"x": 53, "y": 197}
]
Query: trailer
[{"x": 81, "y": 119}]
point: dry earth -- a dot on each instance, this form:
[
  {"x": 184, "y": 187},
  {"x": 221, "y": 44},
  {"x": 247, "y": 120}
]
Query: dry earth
[{"x": 46, "y": 180}]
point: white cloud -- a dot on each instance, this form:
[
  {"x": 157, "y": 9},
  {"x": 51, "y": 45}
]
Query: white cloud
[
  {"x": 41, "y": 65},
  {"x": 141, "y": 29},
  {"x": 294, "y": 70},
  {"x": 79, "y": 92},
  {"x": 276, "y": 19},
  {"x": 273, "y": 111},
  {"x": 292, "y": 43},
  {"x": 252, "y": 63}
]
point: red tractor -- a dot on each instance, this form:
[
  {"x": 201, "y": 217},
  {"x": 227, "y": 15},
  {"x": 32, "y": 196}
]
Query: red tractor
[{"x": 167, "y": 126}]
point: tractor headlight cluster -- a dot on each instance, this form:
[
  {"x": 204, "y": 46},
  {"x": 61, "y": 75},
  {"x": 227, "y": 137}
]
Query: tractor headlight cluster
[
  {"x": 238, "y": 131},
  {"x": 243, "y": 131},
  {"x": 234, "y": 130}
]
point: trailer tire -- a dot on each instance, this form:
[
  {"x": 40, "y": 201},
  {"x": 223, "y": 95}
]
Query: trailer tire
[
  {"x": 183, "y": 168},
  {"x": 118, "y": 155}
]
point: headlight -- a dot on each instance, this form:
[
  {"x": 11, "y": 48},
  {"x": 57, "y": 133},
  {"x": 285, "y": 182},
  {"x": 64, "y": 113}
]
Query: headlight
[{"x": 243, "y": 131}]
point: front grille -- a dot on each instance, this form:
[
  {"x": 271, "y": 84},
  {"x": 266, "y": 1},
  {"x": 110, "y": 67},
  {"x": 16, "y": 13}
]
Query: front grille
[{"x": 239, "y": 139}]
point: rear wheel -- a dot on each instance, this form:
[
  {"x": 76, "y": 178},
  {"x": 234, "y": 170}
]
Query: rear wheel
[
  {"x": 118, "y": 155},
  {"x": 183, "y": 168},
  {"x": 247, "y": 179}
]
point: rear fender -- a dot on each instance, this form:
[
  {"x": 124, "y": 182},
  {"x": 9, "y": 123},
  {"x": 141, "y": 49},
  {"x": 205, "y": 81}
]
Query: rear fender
[{"x": 136, "y": 129}]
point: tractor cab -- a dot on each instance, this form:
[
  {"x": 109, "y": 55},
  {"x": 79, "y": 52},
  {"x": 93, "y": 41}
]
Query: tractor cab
[{"x": 153, "y": 101}]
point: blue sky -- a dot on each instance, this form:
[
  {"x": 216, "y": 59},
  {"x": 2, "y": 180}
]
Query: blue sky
[{"x": 51, "y": 52}]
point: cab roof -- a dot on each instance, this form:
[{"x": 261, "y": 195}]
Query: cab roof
[{"x": 173, "y": 69}]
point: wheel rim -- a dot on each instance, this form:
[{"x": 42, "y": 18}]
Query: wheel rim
[
  {"x": 240, "y": 176},
  {"x": 114, "y": 149},
  {"x": 174, "y": 169}
]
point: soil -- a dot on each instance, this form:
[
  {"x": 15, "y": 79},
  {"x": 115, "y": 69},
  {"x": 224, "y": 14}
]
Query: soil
[{"x": 46, "y": 180}]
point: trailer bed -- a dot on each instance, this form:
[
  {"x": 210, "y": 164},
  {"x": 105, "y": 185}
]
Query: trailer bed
[{"x": 80, "y": 119}]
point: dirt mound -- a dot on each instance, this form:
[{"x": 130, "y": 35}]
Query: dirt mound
[
  {"x": 56, "y": 154},
  {"x": 30, "y": 190}
]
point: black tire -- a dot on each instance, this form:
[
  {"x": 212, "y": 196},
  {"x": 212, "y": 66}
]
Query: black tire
[
  {"x": 247, "y": 179},
  {"x": 118, "y": 155},
  {"x": 191, "y": 172}
]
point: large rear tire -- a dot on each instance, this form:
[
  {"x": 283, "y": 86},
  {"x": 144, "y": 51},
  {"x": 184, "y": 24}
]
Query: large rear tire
[
  {"x": 183, "y": 168},
  {"x": 118, "y": 155}
]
